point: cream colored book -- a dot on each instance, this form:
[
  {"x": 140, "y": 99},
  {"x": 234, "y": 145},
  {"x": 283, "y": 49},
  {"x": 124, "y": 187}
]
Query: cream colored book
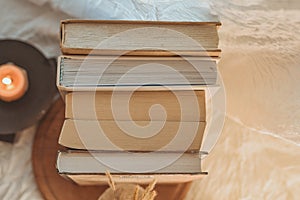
[
  {"x": 137, "y": 105},
  {"x": 92, "y": 71},
  {"x": 88, "y": 168},
  {"x": 158, "y": 38},
  {"x": 142, "y": 179},
  {"x": 132, "y": 136}
]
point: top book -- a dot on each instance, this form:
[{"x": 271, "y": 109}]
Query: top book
[{"x": 140, "y": 38}]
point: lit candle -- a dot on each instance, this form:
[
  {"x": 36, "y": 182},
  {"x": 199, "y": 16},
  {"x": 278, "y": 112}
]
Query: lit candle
[{"x": 13, "y": 82}]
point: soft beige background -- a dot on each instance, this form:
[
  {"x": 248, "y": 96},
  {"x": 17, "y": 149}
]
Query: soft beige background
[{"x": 257, "y": 155}]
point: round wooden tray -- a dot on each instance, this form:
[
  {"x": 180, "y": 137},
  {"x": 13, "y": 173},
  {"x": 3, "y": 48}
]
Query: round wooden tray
[{"x": 52, "y": 185}]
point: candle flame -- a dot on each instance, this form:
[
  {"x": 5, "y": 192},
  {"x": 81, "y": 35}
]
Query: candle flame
[{"x": 7, "y": 80}]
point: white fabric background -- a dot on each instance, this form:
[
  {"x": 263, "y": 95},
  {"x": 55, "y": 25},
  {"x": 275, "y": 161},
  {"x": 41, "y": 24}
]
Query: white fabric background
[{"x": 257, "y": 155}]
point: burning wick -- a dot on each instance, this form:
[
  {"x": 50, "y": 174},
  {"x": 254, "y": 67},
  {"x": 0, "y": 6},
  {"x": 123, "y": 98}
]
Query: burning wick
[
  {"x": 7, "y": 81},
  {"x": 14, "y": 82}
]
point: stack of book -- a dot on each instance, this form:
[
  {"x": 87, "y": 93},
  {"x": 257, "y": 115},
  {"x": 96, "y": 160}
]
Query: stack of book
[{"x": 136, "y": 105}]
